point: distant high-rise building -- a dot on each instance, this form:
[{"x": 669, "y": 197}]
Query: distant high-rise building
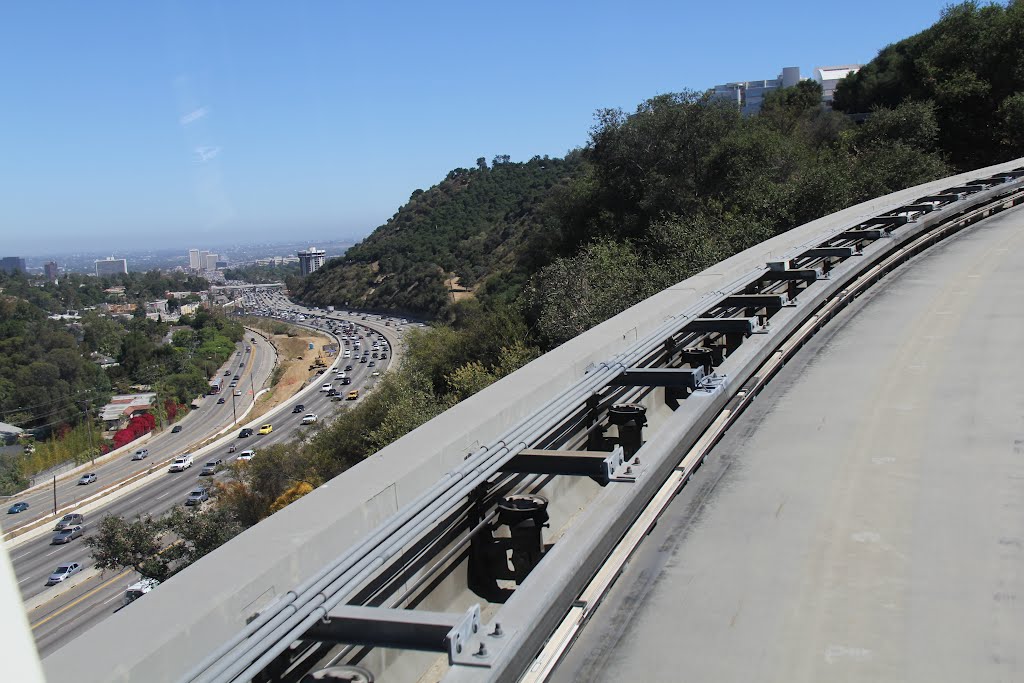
[
  {"x": 12, "y": 264},
  {"x": 311, "y": 260},
  {"x": 210, "y": 262},
  {"x": 193, "y": 259},
  {"x": 51, "y": 270},
  {"x": 111, "y": 266},
  {"x": 203, "y": 253}
]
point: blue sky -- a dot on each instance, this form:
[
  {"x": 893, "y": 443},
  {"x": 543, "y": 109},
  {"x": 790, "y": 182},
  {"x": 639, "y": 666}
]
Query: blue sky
[{"x": 157, "y": 123}]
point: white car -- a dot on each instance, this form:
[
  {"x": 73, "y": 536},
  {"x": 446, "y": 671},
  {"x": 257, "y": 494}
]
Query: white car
[
  {"x": 246, "y": 456},
  {"x": 181, "y": 464},
  {"x": 309, "y": 419},
  {"x": 326, "y": 387},
  {"x": 140, "y": 454}
]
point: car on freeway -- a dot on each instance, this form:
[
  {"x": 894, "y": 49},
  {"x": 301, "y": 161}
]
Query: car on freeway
[
  {"x": 181, "y": 463},
  {"x": 347, "y": 380},
  {"x": 237, "y": 392},
  {"x": 17, "y": 507},
  {"x": 140, "y": 454},
  {"x": 363, "y": 359},
  {"x": 138, "y": 589},
  {"x": 86, "y": 478},
  {"x": 67, "y": 534},
  {"x": 375, "y": 373},
  {"x": 326, "y": 387},
  {"x": 62, "y": 572},
  {"x": 332, "y": 392},
  {"x": 227, "y": 373},
  {"x": 234, "y": 383},
  {"x": 309, "y": 419},
  {"x": 246, "y": 455},
  {"x": 349, "y": 368},
  {"x": 371, "y": 364},
  {"x": 220, "y": 401},
  {"x": 70, "y": 519},
  {"x": 211, "y": 467},
  {"x": 337, "y": 397},
  {"x": 197, "y": 497},
  {"x": 236, "y": 378},
  {"x": 175, "y": 429},
  {"x": 247, "y": 431},
  {"x": 266, "y": 429},
  {"x": 353, "y": 395},
  {"x": 298, "y": 408}
]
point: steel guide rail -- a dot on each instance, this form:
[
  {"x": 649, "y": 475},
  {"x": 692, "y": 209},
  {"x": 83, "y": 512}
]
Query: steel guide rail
[{"x": 288, "y": 618}]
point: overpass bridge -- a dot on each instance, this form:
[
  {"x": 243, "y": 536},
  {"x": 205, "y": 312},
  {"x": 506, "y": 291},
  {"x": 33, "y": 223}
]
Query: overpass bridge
[{"x": 479, "y": 546}]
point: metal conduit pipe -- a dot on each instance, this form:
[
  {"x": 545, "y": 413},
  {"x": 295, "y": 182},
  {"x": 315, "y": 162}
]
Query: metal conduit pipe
[{"x": 270, "y": 618}]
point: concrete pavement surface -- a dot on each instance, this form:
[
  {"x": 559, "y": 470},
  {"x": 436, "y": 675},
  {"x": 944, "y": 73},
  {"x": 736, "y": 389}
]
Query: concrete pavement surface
[{"x": 864, "y": 519}]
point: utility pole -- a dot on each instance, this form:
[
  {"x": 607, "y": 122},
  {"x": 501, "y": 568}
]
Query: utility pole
[
  {"x": 92, "y": 452},
  {"x": 233, "y": 411},
  {"x": 55, "y": 495}
]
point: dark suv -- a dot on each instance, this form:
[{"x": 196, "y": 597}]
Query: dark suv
[
  {"x": 299, "y": 408},
  {"x": 245, "y": 432}
]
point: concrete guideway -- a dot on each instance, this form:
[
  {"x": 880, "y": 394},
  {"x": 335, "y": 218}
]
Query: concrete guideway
[
  {"x": 874, "y": 535},
  {"x": 335, "y": 517}
]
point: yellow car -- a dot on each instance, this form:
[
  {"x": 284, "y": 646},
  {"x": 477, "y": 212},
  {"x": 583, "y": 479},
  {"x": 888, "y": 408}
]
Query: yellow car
[
  {"x": 266, "y": 429},
  {"x": 353, "y": 395}
]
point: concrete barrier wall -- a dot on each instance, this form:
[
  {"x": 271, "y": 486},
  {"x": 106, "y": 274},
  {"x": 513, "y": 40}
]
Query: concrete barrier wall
[{"x": 210, "y": 601}]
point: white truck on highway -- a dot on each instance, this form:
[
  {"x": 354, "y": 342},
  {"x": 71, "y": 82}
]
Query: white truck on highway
[{"x": 181, "y": 463}]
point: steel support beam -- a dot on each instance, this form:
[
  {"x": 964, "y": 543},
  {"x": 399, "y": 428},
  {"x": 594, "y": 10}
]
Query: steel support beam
[
  {"x": 744, "y": 326},
  {"x": 870, "y": 234},
  {"x": 398, "y": 628},
  {"x": 829, "y": 252},
  {"x": 689, "y": 378},
  {"x": 601, "y": 466},
  {"x": 757, "y": 301}
]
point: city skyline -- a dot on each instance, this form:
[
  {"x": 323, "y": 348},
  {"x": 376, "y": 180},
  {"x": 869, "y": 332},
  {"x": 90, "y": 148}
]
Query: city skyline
[{"x": 158, "y": 125}]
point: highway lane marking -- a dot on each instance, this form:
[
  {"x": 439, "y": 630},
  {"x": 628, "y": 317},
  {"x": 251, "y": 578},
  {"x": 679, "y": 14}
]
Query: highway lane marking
[
  {"x": 51, "y": 553},
  {"x": 79, "y": 599}
]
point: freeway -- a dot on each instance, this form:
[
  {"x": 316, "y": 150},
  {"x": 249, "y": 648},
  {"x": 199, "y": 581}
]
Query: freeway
[
  {"x": 862, "y": 520},
  {"x": 74, "y": 611},
  {"x": 253, "y": 369}
]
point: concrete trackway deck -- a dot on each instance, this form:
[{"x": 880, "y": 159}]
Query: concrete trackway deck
[{"x": 864, "y": 520}]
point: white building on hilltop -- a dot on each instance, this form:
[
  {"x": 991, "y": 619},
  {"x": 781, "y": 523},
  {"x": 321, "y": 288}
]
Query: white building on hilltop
[
  {"x": 829, "y": 76},
  {"x": 748, "y": 96}
]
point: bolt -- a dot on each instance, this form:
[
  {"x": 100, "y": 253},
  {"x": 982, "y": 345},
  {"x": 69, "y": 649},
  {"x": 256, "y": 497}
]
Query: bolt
[
  {"x": 629, "y": 470},
  {"x": 476, "y": 627},
  {"x": 458, "y": 648},
  {"x": 497, "y": 632},
  {"x": 636, "y": 461},
  {"x": 482, "y": 652}
]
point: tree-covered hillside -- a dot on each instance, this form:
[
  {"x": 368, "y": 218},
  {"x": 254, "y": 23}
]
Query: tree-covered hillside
[
  {"x": 970, "y": 64},
  {"x": 474, "y": 224}
]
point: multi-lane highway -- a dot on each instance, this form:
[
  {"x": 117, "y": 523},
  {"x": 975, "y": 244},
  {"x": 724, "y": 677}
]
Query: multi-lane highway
[
  {"x": 77, "y": 609},
  {"x": 253, "y": 369}
]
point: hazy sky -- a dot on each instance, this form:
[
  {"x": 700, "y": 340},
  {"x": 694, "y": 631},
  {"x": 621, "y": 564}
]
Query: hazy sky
[{"x": 127, "y": 124}]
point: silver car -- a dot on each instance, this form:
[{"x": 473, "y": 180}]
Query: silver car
[
  {"x": 197, "y": 497},
  {"x": 62, "y": 572},
  {"x": 70, "y": 519},
  {"x": 67, "y": 534},
  {"x": 87, "y": 478}
]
